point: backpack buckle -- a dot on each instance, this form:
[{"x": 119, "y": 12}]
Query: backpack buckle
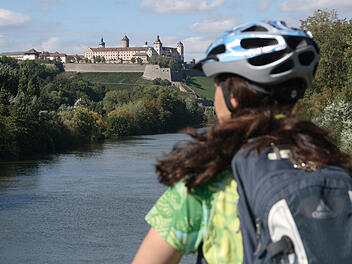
[{"x": 283, "y": 247}]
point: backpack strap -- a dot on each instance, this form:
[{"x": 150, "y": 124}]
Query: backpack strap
[
  {"x": 283, "y": 247},
  {"x": 200, "y": 256}
]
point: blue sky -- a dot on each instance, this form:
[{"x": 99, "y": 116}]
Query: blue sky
[{"x": 70, "y": 26}]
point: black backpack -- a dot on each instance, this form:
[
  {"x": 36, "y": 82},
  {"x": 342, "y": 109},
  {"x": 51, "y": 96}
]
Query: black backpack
[{"x": 293, "y": 213}]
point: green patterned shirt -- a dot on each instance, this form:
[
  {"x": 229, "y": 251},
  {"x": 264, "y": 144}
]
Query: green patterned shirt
[{"x": 209, "y": 214}]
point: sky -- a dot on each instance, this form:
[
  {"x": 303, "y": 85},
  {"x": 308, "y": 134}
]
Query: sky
[{"x": 71, "y": 26}]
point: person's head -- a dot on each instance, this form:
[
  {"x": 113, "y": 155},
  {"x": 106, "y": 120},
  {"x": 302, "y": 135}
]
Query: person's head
[
  {"x": 260, "y": 70},
  {"x": 260, "y": 64}
]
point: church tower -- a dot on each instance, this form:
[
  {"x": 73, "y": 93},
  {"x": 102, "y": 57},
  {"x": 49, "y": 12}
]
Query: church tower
[
  {"x": 180, "y": 50},
  {"x": 125, "y": 42},
  {"x": 158, "y": 45},
  {"x": 102, "y": 43}
]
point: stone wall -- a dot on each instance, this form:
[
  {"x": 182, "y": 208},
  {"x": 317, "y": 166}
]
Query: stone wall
[
  {"x": 87, "y": 67},
  {"x": 152, "y": 72}
]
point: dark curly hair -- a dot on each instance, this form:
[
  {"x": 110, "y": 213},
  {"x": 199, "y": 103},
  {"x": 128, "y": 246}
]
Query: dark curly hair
[{"x": 210, "y": 151}]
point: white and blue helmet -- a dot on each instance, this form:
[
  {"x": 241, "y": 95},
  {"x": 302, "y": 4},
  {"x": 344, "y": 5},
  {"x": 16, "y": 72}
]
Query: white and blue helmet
[{"x": 265, "y": 53}]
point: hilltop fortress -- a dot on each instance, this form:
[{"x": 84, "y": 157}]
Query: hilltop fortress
[{"x": 126, "y": 54}]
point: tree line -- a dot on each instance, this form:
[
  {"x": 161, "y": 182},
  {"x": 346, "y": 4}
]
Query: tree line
[
  {"x": 43, "y": 109},
  {"x": 329, "y": 101}
]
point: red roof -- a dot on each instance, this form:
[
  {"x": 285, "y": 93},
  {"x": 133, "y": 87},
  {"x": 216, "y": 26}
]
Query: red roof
[
  {"x": 31, "y": 51},
  {"x": 56, "y": 54},
  {"x": 120, "y": 49}
]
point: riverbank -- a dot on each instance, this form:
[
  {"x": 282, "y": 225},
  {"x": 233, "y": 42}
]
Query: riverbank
[{"x": 43, "y": 110}]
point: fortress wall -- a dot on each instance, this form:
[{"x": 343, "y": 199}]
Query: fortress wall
[
  {"x": 87, "y": 67},
  {"x": 152, "y": 72}
]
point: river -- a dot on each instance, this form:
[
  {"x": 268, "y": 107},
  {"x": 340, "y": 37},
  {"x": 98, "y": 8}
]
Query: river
[{"x": 84, "y": 206}]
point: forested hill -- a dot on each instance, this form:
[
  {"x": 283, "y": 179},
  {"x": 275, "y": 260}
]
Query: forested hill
[{"x": 43, "y": 109}]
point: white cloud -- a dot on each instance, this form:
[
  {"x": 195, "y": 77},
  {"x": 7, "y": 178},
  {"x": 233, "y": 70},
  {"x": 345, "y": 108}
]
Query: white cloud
[
  {"x": 179, "y": 6},
  {"x": 52, "y": 44},
  {"x": 195, "y": 47},
  {"x": 69, "y": 47},
  {"x": 9, "y": 18},
  {"x": 213, "y": 25},
  {"x": 303, "y": 5}
]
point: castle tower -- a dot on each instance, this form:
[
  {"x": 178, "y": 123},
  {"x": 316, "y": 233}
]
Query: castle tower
[
  {"x": 158, "y": 45},
  {"x": 125, "y": 42},
  {"x": 102, "y": 43},
  {"x": 180, "y": 50}
]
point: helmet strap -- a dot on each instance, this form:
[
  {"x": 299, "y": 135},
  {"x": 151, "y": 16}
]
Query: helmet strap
[{"x": 227, "y": 98}]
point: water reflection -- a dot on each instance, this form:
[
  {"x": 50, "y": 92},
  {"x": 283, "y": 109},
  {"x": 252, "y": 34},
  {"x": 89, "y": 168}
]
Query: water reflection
[{"x": 83, "y": 206}]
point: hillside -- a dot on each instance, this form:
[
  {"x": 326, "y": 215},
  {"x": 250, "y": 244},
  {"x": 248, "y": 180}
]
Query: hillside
[{"x": 203, "y": 87}]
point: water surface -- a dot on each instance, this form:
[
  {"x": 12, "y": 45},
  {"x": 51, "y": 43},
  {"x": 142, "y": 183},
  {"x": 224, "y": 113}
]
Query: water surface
[{"x": 85, "y": 206}]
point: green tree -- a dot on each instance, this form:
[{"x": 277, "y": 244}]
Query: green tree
[
  {"x": 165, "y": 62},
  {"x": 87, "y": 124},
  {"x": 188, "y": 80},
  {"x": 139, "y": 61},
  {"x": 334, "y": 37},
  {"x": 133, "y": 59},
  {"x": 120, "y": 123}
]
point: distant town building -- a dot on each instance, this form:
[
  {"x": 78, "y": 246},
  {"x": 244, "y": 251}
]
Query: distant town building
[
  {"x": 32, "y": 54},
  {"x": 53, "y": 56},
  {"x": 125, "y": 53}
]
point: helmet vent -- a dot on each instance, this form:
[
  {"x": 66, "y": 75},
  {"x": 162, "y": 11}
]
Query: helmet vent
[
  {"x": 295, "y": 42},
  {"x": 255, "y": 28},
  {"x": 267, "y": 58},
  {"x": 306, "y": 58},
  {"x": 286, "y": 66},
  {"x": 217, "y": 50},
  {"x": 251, "y": 43}
]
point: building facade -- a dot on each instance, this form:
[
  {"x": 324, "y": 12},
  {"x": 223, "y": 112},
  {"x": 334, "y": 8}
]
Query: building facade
[
  {"x": 32, "y": 54},
  {"x": 126, "y": 54}
]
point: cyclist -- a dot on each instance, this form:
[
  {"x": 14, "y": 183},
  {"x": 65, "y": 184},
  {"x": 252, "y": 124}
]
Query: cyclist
[{"x": 260, "y": 70}]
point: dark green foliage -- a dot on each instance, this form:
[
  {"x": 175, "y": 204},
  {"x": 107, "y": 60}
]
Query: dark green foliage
[
  {"x": 152, "y": 109},
  {"x": 334, "y": 37},
  {"x": 45, "y": 110},
  {"x": 331, "y": 92},
  {"x": 162, "y": 82},
  {"x": 334, "y": 74},
  {"x": 139, "y": 61},
  {"x": 166, "y": 62}
]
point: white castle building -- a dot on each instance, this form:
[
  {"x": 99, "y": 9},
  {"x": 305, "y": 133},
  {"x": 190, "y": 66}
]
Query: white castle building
[{"x": 126, "y": 53}]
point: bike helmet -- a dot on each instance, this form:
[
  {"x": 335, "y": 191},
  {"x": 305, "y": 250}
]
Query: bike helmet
[{"x": 267, "y": 54}]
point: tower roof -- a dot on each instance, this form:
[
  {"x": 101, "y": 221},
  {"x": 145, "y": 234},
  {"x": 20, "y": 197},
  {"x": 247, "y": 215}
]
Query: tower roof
[
  {"x": 125, "y": 38},
  {"x": 157, "y": 39}
]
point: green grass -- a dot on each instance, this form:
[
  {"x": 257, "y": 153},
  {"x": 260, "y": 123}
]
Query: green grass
[
  {"x": 203, "y": 86},
  {"x": 116, "y": 80}
]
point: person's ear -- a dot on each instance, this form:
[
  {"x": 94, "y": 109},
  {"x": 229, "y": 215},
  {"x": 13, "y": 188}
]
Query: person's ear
[{"x": 233, "y": 101}]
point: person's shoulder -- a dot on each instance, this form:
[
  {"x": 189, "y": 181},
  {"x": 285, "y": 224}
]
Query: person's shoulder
[{"x": 223, "y": 180}]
